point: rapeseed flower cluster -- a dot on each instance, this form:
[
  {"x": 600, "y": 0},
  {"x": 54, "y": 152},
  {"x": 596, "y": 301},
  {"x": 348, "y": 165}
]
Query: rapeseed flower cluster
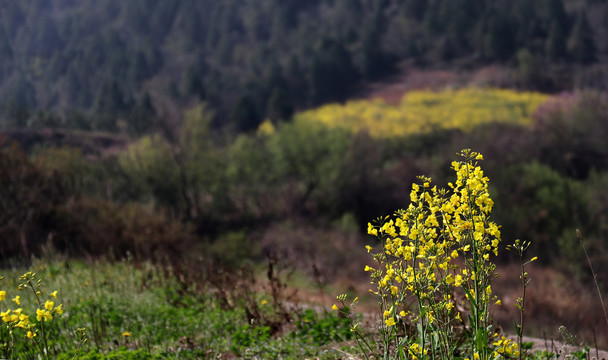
[
  {"x": 426, "y": 111},
  {"x": 438, "y": 248},
  {"x": 19, "y": 324}
]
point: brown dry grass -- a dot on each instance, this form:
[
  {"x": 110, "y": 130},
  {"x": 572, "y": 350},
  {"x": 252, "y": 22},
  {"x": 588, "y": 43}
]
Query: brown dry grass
[
  {"x": 553, "y": 299},
  {"x": 391, "y": 90}
]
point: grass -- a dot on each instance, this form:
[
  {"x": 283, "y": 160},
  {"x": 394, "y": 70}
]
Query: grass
[
  {"x": 126, "y": 312},
  {"x": 141, "y": 312}
]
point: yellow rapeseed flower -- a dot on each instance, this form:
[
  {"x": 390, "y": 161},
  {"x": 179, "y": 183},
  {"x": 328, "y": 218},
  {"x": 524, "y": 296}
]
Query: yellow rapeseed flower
[
  {"x": 6, "y": 317},
  {"x": 49, "y": 305},
  {"x": 390, "y": 322},
  {"x": 54, "y": 294},
  {"x": 2, "y": 295},
  {"x": 334, "y": 307},
  {"x": 17, "y": 300},
  {"x": 30, "y": 334}
]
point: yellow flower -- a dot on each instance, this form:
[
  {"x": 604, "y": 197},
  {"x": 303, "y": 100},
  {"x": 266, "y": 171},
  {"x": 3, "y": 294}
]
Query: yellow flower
[
  {"x": 369, "y": 248},
  {"x": 390, "y": 322},
  {"x": 49, "y": 305},
  {"x": 371, "y": 230},
  {"x": 5, "y": 315},
  {"x": 2, "y": 295},
  {"x": 126, "y": 334},
  {"x": 30, "y": 334},
  {"x": 16, "y": 300},
  {"x": 334, "y": 307},
  {"x": 42, "y": 314},
  {"x": 59, "y": 310},
  {"x": 54, "y": 294}
]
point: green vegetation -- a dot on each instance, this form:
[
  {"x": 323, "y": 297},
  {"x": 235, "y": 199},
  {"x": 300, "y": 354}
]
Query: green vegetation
[
  {"x": 432, "y": 275},
  {"x": 199, "y": 138},
  {"x": 123, "y": 66},
  {"x": 121, "y": 311}
]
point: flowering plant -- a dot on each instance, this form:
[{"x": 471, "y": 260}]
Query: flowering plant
[
  {"x": 436, "y": 255},
  {"x": 20, "y": 328}
]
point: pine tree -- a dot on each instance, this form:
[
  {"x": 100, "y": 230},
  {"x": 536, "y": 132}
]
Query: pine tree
[
  {"x": 556, "y": 42},
  {"x": 581, "y": 45}
]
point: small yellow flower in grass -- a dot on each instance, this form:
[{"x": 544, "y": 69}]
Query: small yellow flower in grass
[
  {"x": 54, "y": 294},
  {"x": 30, "y": 334},
  {"x": 498, "y": 302},
  {"x": 17, "y": 300},
  {"x": 479, "y": 157},
  {"x": 59, "y": 310},
  {"x": 126, "y": 334},
  {"x": 2, "y": 295},
  {"x": 458, "y": 281},
  {"x": 394, "y": 290},
  {"x": 49, "y": 305},
  {"x": 390, "y": 322},
  {"x": 334, "y": 307},
  {"x": 367, "y": 268},
  {"x": 369, "y": 248},
  {"x": 264, "y": 302}
]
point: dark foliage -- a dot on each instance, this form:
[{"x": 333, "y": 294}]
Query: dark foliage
[{"x": 109, "y": 61}]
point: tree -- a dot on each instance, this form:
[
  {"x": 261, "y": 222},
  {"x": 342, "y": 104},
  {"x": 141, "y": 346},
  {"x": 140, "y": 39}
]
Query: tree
[
  {"x": 415, "y": 8},
  {"x": 556, "y": 42},
  {"x": 142, "y": 117},
  {"x": 581, "y": 44},
  {"x": 332, "y": 72},
  {"x": 244, "y": 115},
  {"x": 280, "y": 106},
  {"x": 110, "y": 104},
  {"x": 498, "y": 36}
]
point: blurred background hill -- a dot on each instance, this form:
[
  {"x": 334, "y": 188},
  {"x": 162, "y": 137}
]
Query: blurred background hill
[{"x": 113, "y": 65}]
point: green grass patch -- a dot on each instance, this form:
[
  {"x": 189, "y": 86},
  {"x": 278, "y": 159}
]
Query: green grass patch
[{"x": 119, "y": 311}]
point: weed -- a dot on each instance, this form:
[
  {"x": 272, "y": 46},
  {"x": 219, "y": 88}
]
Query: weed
[{"x": 519, "y": 247}]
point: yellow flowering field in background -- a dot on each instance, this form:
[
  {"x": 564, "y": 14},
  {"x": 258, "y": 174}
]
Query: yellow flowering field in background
[{"x": 425, "y": 111}]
